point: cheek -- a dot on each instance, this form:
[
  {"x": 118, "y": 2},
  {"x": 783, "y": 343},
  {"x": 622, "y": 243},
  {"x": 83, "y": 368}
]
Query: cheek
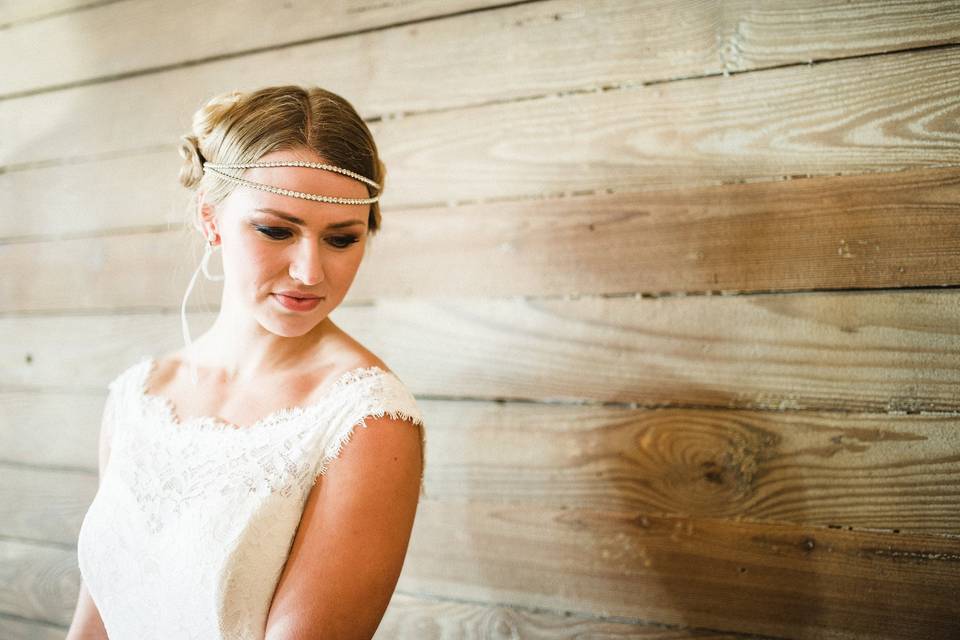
[
  {"x": 251, "y": 258},
  {"x": 344, "y": 270}
]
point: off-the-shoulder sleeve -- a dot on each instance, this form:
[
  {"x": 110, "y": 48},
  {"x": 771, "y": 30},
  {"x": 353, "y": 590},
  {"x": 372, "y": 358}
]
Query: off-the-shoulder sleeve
[{"x": 377, "y": 393}]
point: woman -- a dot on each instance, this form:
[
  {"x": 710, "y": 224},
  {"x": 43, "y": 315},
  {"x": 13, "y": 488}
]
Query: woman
[{"x": 225, "y": 508}]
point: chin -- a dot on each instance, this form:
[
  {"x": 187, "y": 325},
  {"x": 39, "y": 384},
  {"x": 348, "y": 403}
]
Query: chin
[
  {"x": 286, "y": 332},
  {"x": 291, "y": 326}
]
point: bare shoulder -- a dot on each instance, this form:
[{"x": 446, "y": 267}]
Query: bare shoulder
[
  {"x": 353, "y": 535},
  {"x": 354, "y": 355},
  {"x": 164, "y": 371}
]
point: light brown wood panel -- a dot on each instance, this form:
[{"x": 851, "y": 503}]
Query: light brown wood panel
[
  {"x": 50, "y": 429},
  {"x": 755, "y": 35},
  {"x": 434, "y": 619},
  {"x": 19, "y": 629},
  {"x": 848, "y": 351},
  {"x": 13, "y": 12},
  {"x": 823, "y": 469},
  {"x": 816, "y": 233},
  {"x": 41, "y": 582},
  {"x": 669, "y": 39},
  {"x": 783, "y": 580},
  {"x": 129, "y": 37},
  {"x": 44, "y": 505},
  {"x": 846, "y": 117},
  {"x": 38, "y": 582},
  {"x": 131, "y": 192},
  {"x": 850, "y": 116},
  {"x": 427, "y": 618}
]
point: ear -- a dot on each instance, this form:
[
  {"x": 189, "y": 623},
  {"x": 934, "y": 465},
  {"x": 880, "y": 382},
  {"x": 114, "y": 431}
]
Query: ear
[{"x": 206, "y": 221}]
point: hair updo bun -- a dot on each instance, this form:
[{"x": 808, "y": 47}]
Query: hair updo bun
[
  {"x": 205, "y": 121},
  {"x": 192, "y": 170},
  {"x": 240, "y": 127}
]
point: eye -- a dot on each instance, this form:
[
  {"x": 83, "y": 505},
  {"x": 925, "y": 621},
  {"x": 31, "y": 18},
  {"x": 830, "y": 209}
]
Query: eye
[
  {"x": 273, "y": 232},
  {"x": 342, "y": 242}
]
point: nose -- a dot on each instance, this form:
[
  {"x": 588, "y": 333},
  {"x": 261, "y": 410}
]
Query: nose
[{"x": 307, "y": 264}]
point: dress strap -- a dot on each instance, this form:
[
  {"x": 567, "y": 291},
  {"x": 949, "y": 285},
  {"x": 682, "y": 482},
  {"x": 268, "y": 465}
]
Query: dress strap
[{"x": 124, "y": 390}]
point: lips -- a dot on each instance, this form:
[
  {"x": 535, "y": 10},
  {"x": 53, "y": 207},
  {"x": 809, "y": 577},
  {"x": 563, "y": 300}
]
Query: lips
[
  {"x": 297, "y": 304},
  {"x": 298, "y": 295}
]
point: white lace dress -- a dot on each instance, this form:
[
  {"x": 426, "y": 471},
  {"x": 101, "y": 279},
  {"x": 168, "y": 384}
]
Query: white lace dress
[{"x": 192, "y": 522}]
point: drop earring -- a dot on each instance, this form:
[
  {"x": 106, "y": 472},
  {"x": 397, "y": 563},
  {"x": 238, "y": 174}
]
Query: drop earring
[
  {"x": 207, "y": 252},
  {"x": 204, "y": 262}
]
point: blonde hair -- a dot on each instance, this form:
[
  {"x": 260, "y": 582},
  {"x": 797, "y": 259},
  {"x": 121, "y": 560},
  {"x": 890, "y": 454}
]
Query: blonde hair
[{"x": 239, "y": 127}]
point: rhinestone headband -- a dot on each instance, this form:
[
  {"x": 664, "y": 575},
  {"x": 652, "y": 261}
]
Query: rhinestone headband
[{"x": 217, "y": 169}]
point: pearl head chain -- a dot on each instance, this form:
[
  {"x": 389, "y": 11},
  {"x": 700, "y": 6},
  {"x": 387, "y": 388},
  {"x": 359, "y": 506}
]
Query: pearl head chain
[{"x": 217, "y": 169}]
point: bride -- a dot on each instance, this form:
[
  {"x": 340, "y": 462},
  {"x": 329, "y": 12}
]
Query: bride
[{"x": 237, "y": 497}]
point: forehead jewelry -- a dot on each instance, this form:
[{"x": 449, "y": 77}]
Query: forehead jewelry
[{"x": 217, "y": 169}]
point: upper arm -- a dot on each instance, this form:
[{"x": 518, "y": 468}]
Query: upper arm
[
  {"x": 352, "y": 539},
  {"x": 86, "y": 623}
]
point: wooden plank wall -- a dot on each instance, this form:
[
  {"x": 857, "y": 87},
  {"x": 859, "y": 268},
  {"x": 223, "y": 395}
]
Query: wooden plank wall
[{"x": 675, "y": 283}]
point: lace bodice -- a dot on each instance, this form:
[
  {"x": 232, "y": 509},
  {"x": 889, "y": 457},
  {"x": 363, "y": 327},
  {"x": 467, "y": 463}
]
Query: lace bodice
[{"x": 192, "y": 522}]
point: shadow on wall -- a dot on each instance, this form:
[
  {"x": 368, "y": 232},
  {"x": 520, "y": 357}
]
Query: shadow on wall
[{"x": 628, "y": 512}]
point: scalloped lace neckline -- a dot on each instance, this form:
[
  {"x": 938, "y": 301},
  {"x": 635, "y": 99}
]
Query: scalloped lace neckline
[{"x": 168, "y": 412}]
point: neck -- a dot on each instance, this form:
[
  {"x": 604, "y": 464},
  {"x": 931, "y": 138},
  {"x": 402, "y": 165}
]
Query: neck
[{"x": 243, "y": 350}]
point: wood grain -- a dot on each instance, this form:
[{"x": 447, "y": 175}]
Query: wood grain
[
  {"x": 848, "y": 116},
  {"x": 551, "y": 43},
  {"x": 782, "y": 580},
  {"x": 115, "y": 34},
  {"x": 12, "y": 628},
  {"x": 34, "y": 584},
  {"x": 885, "y": 352},
  {"x": 864, "y": 471},
  {"x": 794, "y": 235},
  {"x": 619, "y": 442},
  {"x": 16, "y": 13},
  {"x": 812, "y": 583},
  {"x": 50, "y": 429}
]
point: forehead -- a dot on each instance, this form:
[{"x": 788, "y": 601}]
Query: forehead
[
  {"x": 306, "y": 179},
  {"x": 309, "y": 213},
  {"x": 336, "y": 222}
]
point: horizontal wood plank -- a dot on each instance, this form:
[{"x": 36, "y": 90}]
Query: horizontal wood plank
[
  {"x": 782, "y": 580},
  {"x": 745, "y": 464},
  {"x": 857, "y": 351},
  {"x": 820, "y": 120},
  {"x": 554, "y": 43},
  {"x": 42, "y": 583},
  {"x": 38, "y": 582},
  {"x": 12, "y": 628},
  {"x": 432, "y": 617},
  {"x": 817, "y": 233},
  {"x": 129, "y": 37},
  {"x": 805, "y": 120},
  {"x": 44, "y": 505},
  {"x": 808, "y": 468},
  {"x": 133, "y": 192},
  {"x": 15, "y": 13},
  {"x": 50, "y": 429}
]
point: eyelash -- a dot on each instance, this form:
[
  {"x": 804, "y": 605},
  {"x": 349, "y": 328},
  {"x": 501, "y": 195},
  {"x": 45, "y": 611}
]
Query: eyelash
[{"x": 271, "y": 231}]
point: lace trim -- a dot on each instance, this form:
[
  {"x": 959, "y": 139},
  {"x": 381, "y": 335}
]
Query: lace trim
[
  {"x": 166, "y": 407},
  {"x": 271, "y": 455},
  {"x": 406, "y": 409}
]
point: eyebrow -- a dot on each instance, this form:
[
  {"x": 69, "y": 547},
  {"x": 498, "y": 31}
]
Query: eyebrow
[{"x": 302, "y": 223}]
